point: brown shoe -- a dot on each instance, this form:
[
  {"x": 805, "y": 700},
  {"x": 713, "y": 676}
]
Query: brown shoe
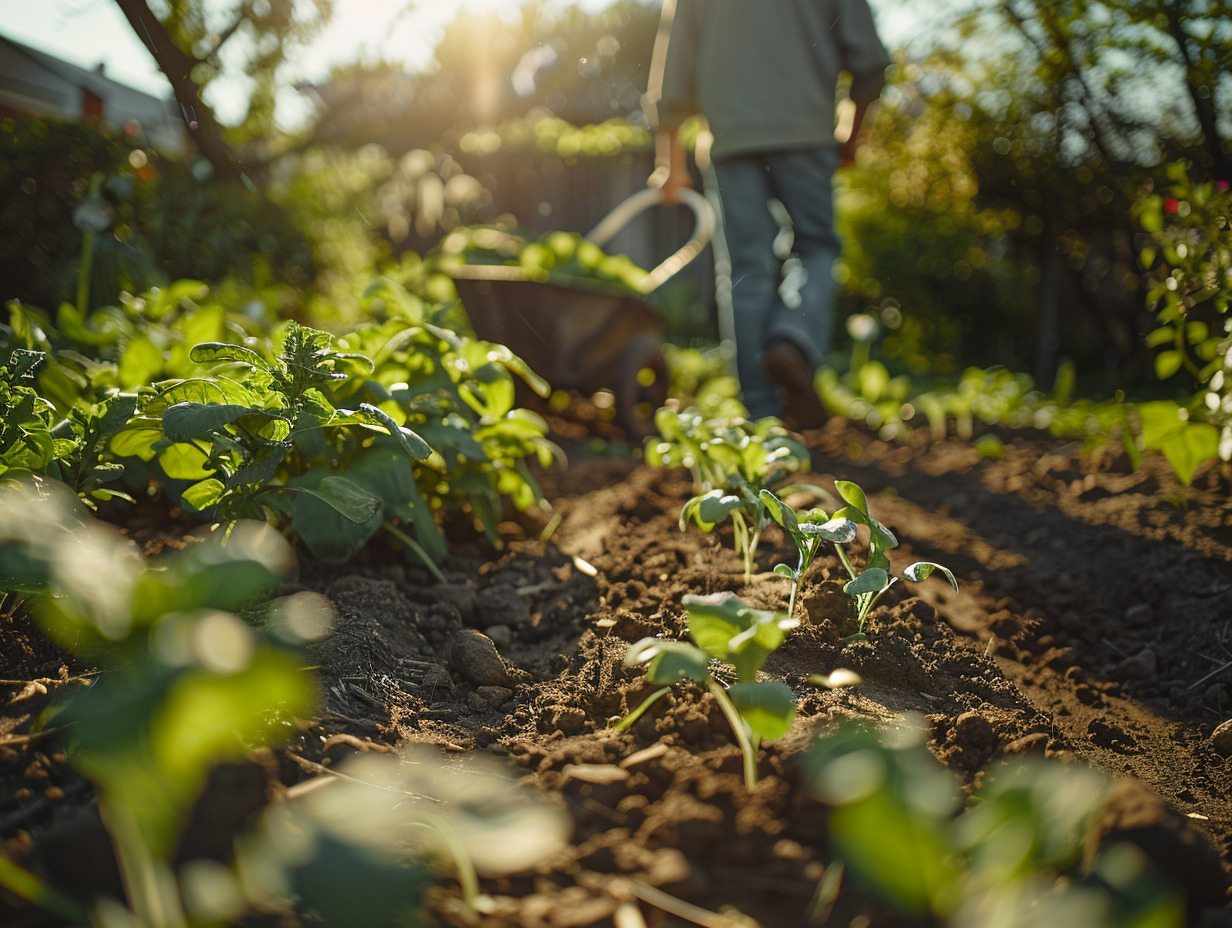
[{"x": 787, "y": 367}]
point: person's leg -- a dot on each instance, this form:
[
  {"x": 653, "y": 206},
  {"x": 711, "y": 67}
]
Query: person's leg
[
  {"x": 802, "y": 180},
  {"x": 749, "y": 230}
]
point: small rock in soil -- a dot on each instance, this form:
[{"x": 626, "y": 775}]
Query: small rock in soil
[
  {"x": 474, "y": 655},
  {"x": 974, "y": 730},
  {"x": 1034, "y": 743},
  {"x": 495, "y": 696},
  {"x": 501, "y": 635},
  {"x": 500, "y": 604},
  {"x": 1221, "y": 739}
]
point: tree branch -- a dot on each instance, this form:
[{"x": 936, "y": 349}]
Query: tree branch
[{"x": 178, "y": 66}]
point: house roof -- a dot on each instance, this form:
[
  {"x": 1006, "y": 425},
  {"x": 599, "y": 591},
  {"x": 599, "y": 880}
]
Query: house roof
[{"x": 95, "y": 81}]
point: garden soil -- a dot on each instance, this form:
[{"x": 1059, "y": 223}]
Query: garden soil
[{"x": 1092, "y": 626}]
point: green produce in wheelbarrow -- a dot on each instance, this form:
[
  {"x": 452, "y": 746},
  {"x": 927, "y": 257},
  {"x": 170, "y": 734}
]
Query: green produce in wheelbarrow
[{"x": 577, "y": 315}]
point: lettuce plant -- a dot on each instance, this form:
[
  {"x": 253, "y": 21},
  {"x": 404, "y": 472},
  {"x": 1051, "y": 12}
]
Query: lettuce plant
[{"x": 724, "y": 629}]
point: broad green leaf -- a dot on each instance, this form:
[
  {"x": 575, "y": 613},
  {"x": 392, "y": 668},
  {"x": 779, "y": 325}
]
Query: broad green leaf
[
  {"x": 669, "y": 661},
  {"x": 922, "y": 570},
  {"x": 135, "y": 442},
  {"x": 871, "y": 580},
  {"x": 140, "y": 363},
  {"x": 728, "y": 630},
  {"x": 204, "y": 494},
  {"x": 186, "y": 421},
  {"x": 345, "y": 497},
  {"x": 785, "y": 570},
  {"x": 214, "y": 352},
  {"x": 182, "y": 461},
  {"x": 852, "y": 495},
  {"x": 715, "y": 506},
  {"x": 767, "y": 708}
]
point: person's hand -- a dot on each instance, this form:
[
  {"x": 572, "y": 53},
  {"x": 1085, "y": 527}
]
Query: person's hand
[{"x": 673, "y": 175}]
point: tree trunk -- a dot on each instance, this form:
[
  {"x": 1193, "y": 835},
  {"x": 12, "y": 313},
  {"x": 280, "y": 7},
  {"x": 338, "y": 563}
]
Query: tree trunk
[{"x": 178, "y": 66}]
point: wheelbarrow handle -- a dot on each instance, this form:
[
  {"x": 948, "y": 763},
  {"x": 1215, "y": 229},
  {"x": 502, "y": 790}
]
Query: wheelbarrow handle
[{"x": 618, "y": 218}]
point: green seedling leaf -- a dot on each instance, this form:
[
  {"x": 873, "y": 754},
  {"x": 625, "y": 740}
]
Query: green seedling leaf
[
  {"x": 786, "y": 570},
  {"x": 871, "y": 580},
  {"x": 767, "y": 708},
  {"x": 716, "y": 506},
  {"x": 839, "y": 531},
  {"x": 641, "y": 709},
  {"x": 852, "y": 495},
  {"x": 781, "y": 513},
  {"x": 669, "y": 661},
  {"x": 922, "y": 570},
  {"x": 728, "y": 630}
]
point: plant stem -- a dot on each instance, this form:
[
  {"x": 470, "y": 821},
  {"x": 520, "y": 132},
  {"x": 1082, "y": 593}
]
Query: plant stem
[
  {"x": 738, "y": 729},
  {"x": 468, "y": 880},
  {"x": 417, "y": 549},
  {"x": 24, "y": 884}
]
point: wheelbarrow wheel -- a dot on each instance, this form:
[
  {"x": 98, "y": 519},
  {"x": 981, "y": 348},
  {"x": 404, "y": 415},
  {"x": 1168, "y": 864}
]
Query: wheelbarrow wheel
[{"x": 641, "y": 385}]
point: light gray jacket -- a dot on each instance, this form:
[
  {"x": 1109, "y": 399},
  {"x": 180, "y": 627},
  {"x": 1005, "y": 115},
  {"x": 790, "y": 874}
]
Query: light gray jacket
[{"x": 764, "y": 72}]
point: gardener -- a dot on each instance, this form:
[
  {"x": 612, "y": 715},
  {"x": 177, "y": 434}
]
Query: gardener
[{"x": 764, "y": 73}]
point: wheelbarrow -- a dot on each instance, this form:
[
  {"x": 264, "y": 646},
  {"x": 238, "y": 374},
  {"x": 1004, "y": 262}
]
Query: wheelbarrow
[{"x": 581, "y": 337}]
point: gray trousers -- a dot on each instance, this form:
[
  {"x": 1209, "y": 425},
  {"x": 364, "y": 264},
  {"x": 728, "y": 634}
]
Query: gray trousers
[{"x": 763, "y": 309}]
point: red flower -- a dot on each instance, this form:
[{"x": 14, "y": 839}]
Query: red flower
[{"x": 1171, "y": 206}]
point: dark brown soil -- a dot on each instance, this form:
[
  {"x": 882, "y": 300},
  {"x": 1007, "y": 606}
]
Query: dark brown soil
[{"x": 1093, "y": 625}]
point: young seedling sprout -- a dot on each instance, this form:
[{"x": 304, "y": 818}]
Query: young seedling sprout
[
  {"x": 810, "y": 528},
  {"x": 724, "y": 629}
]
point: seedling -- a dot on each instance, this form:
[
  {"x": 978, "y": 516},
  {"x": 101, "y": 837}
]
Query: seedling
[
  {"x": 731, "y": 462},
  {"x": 724, "y": 629},
  {"x": 867, "y": 586},
  {"x": 808, "y": 530}
]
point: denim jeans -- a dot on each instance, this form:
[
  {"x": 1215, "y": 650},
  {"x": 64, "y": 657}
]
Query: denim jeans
[{"x": 802, "y": 180}]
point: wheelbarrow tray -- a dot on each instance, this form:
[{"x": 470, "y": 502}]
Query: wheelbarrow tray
[{"x": 575, "y": 337}]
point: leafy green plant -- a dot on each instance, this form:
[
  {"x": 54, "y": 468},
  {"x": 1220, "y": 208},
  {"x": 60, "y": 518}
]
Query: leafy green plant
[
  {"x": 868, "y": 585},
  {"x": 1191, "y": 260},
  {"x": 264, "y": 438},
  {"x": 186, "y": 683},
  {"x": 724, "y": 629},
  {"x": 35, "y": 442},
  {"x": 1015, "y": 854},
  {"x": 808, "y": 530},
  {"x": 732, "y": 461},
  {"x": 199, "y": 666},
  {"x": 460, "y": 394}
]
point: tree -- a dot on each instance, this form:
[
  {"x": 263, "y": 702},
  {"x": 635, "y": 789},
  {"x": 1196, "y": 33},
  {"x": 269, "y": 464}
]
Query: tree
[
  {"x": 187, "y": 39},
  {"x": 1135, "y": 78}
]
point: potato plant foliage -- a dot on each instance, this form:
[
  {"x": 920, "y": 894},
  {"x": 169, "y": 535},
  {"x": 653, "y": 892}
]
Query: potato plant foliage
[{"x": 335, "y": 438}]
